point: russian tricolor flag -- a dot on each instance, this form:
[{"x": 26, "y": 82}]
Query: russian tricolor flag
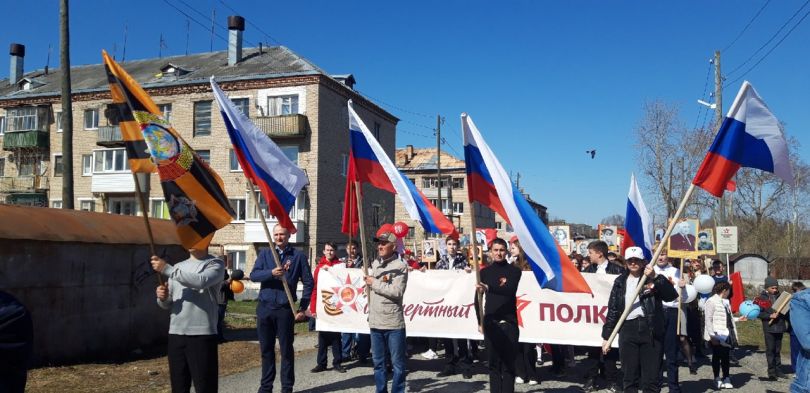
[
  {"x": 637, "y": 222},
  {"x": 278, "y": 178},
  {"x": 488, "y": 184},
  {"x": 749, "y": 137},
  {"x": 371, "y": 165}
]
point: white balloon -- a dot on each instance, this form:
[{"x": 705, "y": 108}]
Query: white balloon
[
  {"x": 691, "y": 293},
  {"x": 704, "y": 284}
]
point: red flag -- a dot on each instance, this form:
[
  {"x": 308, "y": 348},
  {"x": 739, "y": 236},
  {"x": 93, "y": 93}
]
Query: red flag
[
  {"x": 350, "y": 223},
  {"x": 737, "y": 292}
]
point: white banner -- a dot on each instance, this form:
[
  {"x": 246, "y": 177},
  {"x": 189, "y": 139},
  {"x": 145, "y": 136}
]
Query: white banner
[
  {"x": 440, "y": 304},
  {"x": 727, "y": 240}
]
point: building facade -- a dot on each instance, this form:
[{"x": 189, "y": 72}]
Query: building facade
[
  {"x": 420, "y": 166},
  {"x": 297, "y": 104}
]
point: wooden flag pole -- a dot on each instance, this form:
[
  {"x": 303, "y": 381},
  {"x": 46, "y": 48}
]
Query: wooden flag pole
[
  {"x": 359, "y": 197},
  {"x": 476, "y": 265},
  {"x": 643, "y": 278},
  {"x": 680, "y": 302},
  {"x": 144, "y": 209},
  {"x": 272, "y": 246}
]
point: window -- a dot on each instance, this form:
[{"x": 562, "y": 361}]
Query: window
[
  {"x": 376, "y": 131},
  {"x": 282, "y": 105},
  {"x": 2, "y": 125},
  {"x": 202, "y": 118},
  {"x": 433, "y": 182},
  {"x": 2, "y": 166},
  {"x": 166, "y": 110},
  {"x": 344, "y": 164},
  {"x": 122, "y": 206},
  {"x": 237, "y": 259},
  {"x": 413, "y": 180},
  {"x": 26, "y": 118},
  {"x": 458, "y": 207},
  {"x": 58, "y": 121},
  {"x": 205, "y": 155},
  {"x": 87, "y": 164},
  {"x": 254, "y": 213},
  {"x": 243, "y": 104},
  {"x": 458, "y": 182},
  {"x": 27, "y": 166},
  {"x": 233, "y": 162},
  {"x": 56, "y": 204},
  {"x": 159, "y": 209},
  {"x": 498, "y": 225},
  {"x": 291, "y": 151},
  {"x": 91, "y": 119},
  {"x": 238, "y": 206},
  {"x": 114, "y": 160},
  {"x": 87, "y": 205},
  {"x": 58, "y": 165},
  {"x": 376, "y": 216}
]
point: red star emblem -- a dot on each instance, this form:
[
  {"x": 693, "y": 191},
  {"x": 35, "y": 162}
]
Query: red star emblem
[
  {"x": 347, "y": 294},
  {"x": 521, "y": 304}
]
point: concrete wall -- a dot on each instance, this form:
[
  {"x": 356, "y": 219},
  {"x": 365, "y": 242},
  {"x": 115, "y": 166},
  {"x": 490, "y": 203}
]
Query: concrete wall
[{"x": 88, "y": 301}]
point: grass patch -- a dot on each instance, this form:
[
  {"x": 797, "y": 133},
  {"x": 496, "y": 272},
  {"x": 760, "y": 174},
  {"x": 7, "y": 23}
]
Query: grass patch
[
  {"x": 750, "y": 334},
  {"x": 242, "y": 315}
]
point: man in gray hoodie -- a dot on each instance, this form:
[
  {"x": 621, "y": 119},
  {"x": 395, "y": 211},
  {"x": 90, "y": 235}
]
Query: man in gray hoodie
[
  {"x": 190, "y": 290},
  {"x": 387, "y": 280}
]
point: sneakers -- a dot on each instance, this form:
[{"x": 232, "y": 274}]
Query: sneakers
[
  {"x": 318, "y": 369},
  {"x": 519, "y": 380},
  {"x": 532, "y": 382},
  {"x": 727, "y": 383},
  {"x": 718, "y": 384},
  {"x": 339, "y": 369},
  {"x": 429, "y": 355}
]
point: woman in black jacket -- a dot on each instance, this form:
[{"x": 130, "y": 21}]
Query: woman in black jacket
[{"x": 641, "y": 335}]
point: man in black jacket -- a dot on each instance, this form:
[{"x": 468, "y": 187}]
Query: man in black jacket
[
  {"x": 604, "y": 364},
  {"x": 641, "y": 336},
  {"x": 772, "y": 331}
]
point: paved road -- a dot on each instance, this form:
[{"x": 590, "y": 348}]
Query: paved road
[{"x": 422, "y": 376}]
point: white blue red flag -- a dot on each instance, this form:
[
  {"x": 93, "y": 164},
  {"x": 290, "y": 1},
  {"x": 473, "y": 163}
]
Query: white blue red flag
[
  {"x": 749, "y": 137},
  {"x": 488, "y": 184},
  {"x": 371, "y": 165},
  {"x": 278, "y": 178},
  {"x": 637, "y": 222}
]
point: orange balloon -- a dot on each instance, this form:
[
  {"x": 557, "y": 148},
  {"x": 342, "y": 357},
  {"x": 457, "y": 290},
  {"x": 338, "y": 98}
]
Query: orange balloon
[{"x": 237, "y": 286}]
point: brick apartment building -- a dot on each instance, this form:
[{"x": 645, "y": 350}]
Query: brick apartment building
[{"x": 296, "y": 103}]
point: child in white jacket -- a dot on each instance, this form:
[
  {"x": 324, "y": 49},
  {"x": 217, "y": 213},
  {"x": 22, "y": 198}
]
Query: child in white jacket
[{"x": 720, "y": 331}]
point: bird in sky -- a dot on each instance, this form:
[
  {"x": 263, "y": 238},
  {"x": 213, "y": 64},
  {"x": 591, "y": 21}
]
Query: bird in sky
[{"x": 591, "y": 152}]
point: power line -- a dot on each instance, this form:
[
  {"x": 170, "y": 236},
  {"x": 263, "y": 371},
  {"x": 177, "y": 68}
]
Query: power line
[
  {"x": 206, "y": 28},
  {"x": 772, "y": 48},
  {"x": 746, "y": 27},
  {"x": 396, "y": 107},
  {"x": 770, "y": 39},
  {"x": 703, "y": 94},
  {"x": 252, "y": 24}
]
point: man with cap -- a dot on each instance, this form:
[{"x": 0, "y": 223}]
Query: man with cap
[
  {"x": 387, "y": 280},
  {"x": 641, "y": 336},
  {"x": 274, "y": 316},
  {"x": 774, "y": 325},
  {"x": 673, "y": 335}
]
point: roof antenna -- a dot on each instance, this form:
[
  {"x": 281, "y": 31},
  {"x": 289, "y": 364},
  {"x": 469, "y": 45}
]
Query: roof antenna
[
  {"x": 124, "y": 55},
  {"x": 48, "y": 60}
]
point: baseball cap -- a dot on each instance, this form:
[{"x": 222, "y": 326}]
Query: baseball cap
[
  {"x": 385, "y": 234},
  {"x": 634, "y": 252}
]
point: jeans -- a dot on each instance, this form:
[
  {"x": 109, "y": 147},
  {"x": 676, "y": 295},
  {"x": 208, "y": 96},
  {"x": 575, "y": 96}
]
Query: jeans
[
  {"x": 795, "y": 347},
  {"x": 773, "y": 344},
  {"x": 671, "y": 347},
  {"x": 384, "y": 341},
  {"x": 193, "y": 358},
  {"x": 326, "y": 340},
  {"x": 272, "y": 323},
  {"x": 363, "y": 342},
  {"x": 457, "y": 354},
  {"x": 720, "y": 357},
  {"x": 641, "y": 354},
  {"x": 502, "y": 341},
  {"x": 221, "y": 322}
]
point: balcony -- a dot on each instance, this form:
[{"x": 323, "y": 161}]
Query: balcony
[
  {"x": 26, "y": 140},
  {"x": 115, "y": 182},
  {"x": 39, "y": 199},
  {"x": 286, "y": 126},
  {"x": 23, "y": 184},
  {"x": 109, "y": 136}
]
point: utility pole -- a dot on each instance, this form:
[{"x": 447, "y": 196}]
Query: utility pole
[
  {"x": 439, "y": 159},
  {"x": 718, "y": 113},
  {"x": 67, "y": 108}
]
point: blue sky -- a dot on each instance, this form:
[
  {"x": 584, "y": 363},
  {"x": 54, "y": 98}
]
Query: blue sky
[{"x": 544, "y": 81}]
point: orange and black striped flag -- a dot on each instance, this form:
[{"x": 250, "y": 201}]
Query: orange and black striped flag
[{"x": 193, "y": 191}]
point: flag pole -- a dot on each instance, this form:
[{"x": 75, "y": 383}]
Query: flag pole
[
  {"x": 272, "y": 246},
  {"x": 643, "y": 278},
  {"x": 359, "y": 197},
  {"x": 142, "y": 200},
  {"x": 476, "y": 264},
  {"x": 680, "y": 302}
]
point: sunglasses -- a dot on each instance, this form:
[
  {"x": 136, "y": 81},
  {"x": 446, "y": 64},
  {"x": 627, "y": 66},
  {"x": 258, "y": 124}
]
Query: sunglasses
[{"x": 635, "y": 261}]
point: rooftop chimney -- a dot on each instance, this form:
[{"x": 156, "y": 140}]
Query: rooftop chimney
[
  {"x": 236, "y": 25},
  {"x": 409, "y": 154},
  {"x": 17, "y": 52}
]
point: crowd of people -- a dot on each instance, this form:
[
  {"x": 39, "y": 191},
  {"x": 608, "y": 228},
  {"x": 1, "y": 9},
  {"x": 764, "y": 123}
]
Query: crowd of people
[{"x": 661, "y": 328}]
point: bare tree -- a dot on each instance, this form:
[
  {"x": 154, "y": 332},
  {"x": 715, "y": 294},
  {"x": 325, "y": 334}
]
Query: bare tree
[{"x": 616, "y": 219}]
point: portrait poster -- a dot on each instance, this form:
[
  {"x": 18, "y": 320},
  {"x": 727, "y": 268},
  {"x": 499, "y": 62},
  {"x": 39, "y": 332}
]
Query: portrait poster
[
  {"x": 682, "y": 242},
  {"x": 727, "y": 240},
  {"x": 562, "y": 234},
  {"x": 581, "y": 246},
  {"x": 607, "y": 234},
  {"x": 429, "y": 250},
  {"x": 706, "y": 241}
]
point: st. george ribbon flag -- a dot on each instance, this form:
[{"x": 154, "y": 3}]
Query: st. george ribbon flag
[
  {"x": 749, "y": 137},
  {"x": 371, "y": 165},
  {"x": 192, "y": 190},
  {"x": 262, "y": 161},
  {"x": 488, "y": 184},
  {"x": 637, "y": 222}
]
